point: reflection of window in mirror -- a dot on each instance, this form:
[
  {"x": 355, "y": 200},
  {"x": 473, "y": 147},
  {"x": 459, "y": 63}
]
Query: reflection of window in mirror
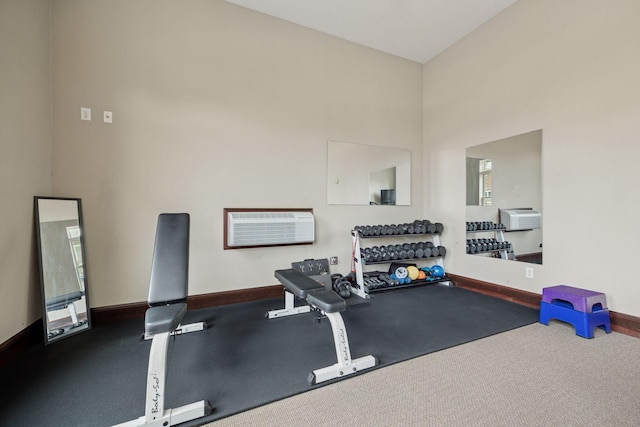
[
  {"x": 478, "y": 182},
  {"x": 485, "y": 182},
  {"x": 73, "y": 234}
]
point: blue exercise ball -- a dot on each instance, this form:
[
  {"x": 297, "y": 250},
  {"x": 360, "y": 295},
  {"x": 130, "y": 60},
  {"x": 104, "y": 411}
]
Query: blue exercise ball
[{"x": 437, "y": 271}]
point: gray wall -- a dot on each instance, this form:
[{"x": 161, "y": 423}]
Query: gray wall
[
  {"x": 571, "y": 69},
  {"x": 25, "y": 154},
  {"x": 214, "y": 106}
]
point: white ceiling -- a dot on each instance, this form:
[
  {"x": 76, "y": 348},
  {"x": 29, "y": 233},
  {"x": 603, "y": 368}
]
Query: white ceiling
[{"x": 413, "y": 29}]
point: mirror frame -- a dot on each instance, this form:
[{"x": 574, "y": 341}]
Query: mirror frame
[{"x": 81, "y": 325}]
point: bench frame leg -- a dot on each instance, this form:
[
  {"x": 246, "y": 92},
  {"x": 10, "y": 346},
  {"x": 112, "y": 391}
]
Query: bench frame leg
[
  {"x": 74, "y": 314},
  {"x": 345, "y": 365},
  {"x": 155, "y": 412},
  {"x": 183, "y": 329},
  {"x": 289, "y": 307}
]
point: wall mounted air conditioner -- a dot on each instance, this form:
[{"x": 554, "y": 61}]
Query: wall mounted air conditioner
[
  {"x": 520, "y": 219},
  {"x": 269, "y": 228}
]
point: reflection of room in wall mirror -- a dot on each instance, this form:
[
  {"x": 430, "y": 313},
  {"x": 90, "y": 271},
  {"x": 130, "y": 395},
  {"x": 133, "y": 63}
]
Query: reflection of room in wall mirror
[
  {"x": 359, "y": 174},
  {"x": 382, "y": 187},
  {"x": 506, "y": 174},
  {"x": 62, "y": 267}
]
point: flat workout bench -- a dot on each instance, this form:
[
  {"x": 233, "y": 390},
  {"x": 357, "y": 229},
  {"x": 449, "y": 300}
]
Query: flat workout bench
[
  {"x": 306, "y": 288},
  {"x": 330, "y": 304}
]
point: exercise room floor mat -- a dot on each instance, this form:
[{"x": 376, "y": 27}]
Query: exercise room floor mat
[{"x": 242, "y": 360}]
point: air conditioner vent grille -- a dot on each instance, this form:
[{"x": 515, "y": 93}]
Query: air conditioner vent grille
[
  {"x": 269, "y": 228},
  {"x": 520, "y": 219}
]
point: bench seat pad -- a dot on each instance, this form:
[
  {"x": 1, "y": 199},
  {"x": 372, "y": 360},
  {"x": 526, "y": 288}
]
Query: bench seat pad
[
  {"x": 297, "y": 283},
  {"x": 62, "y": 301},
  {"x": 163, "y": 318},
  {"x": 326, "y": 300}
]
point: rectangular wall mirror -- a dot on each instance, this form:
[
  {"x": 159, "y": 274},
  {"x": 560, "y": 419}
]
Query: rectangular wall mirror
[
  {"x": 506, "y": 174},
  {"x": 360, "y": 174},
  {"x": 60, "y": 240}
]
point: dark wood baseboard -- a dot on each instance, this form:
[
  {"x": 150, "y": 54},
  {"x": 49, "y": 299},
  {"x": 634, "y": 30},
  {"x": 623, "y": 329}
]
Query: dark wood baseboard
[
  {"x": 11, "y": 349},
  {"x": 533, "y": 258},
  {"x": 117, "y": 313},
  {"x": 625, "y": 324},
  {"x": 620, "y": 322},
  {"x": 530, "y": 299}
]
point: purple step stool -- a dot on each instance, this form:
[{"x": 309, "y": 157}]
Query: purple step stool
[
  {"x": 581, "y": 299},
  {"x": 582, "y": 308},
  {"x": 585, "y": 323}
]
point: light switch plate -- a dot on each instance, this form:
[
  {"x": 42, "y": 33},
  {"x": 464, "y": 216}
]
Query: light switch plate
[{"x": 528, "y": 272}]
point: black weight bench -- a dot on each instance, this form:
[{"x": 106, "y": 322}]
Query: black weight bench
[
  {"x": 168, "y": 290},
  {"x": 330, "y": 304},
  {"x": 61, "y": 302}
]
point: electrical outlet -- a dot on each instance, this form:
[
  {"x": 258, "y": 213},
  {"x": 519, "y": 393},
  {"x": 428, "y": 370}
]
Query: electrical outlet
[
  {"x": 528, "y": 272},
  {"x": 333, "y": 260},
  {"x": 85, "y": 113}
]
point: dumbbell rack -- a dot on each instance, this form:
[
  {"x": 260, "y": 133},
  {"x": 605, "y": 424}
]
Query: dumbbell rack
[
  {"x": 499, "y": 236},
  {"x": 359, "y": 263}
]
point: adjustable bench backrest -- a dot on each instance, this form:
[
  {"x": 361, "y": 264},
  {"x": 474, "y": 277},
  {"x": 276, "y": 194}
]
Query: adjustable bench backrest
[
  {"x": 168, "y": 287},
  {"x": 167, "y": 306},
  {"x": 170, "y": 266}
]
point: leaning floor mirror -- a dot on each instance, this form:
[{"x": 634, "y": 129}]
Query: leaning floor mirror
[{"x": 65, "y": 304}]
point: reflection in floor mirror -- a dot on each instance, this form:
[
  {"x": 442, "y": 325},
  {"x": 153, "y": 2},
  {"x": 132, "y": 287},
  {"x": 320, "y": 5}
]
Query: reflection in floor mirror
[{"x": 60, "y": 242}]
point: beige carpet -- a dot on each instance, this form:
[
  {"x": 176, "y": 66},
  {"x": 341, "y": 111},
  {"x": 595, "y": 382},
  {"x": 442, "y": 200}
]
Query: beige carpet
[{"x": 532, "y": 376}]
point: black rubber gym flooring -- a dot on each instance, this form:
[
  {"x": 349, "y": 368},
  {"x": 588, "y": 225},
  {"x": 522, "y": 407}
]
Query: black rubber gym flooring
[{"x": 243, "y": 360}]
